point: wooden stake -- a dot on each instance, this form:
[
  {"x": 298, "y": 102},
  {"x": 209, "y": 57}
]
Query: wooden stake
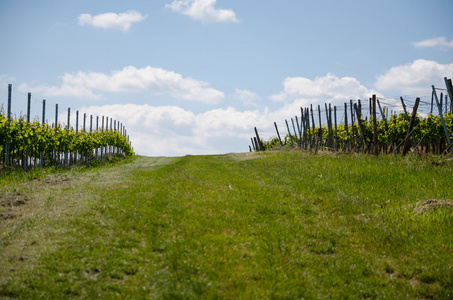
[
  {"x": 259, "y": 145},
  {"x": 278, "y": 134},
  {"x": 289, "y": 132},
  {"x": 8, "y": 115},
  {"x": 28, "y": 123},
  {"x": 346, "y": 146},
  {"x": 442, "y": 118},
  {"x": 375, "y": 140},
  {"x": 407, "y": 142},
  {"x": 336, "y": 135},
  {"x": 359, "y": 120},
  {"x": 352, "y": 127}
]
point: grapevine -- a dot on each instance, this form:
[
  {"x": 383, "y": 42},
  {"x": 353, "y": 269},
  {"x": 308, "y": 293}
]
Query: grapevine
[
  {"x": 428, "y": 131},
  {"x": 42, "y": 141}
]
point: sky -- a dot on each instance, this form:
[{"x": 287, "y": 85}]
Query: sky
[{"x": 196, "y": 76}]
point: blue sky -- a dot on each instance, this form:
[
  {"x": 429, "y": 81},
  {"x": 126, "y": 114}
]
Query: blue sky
[{"x": 195, "y": 76}]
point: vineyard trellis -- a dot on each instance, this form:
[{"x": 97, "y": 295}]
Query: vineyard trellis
[
  {"x": 31, "y": 143},
  {"x": 427, "y": 129}
]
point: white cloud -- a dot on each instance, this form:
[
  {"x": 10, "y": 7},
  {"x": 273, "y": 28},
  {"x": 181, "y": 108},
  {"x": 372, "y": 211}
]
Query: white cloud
[
  {"x": 173, "y": 131},
  {"x": 326, "y": 89},
  {"x": 110, "y": 20},
  {"x": 415, "y": 77},
  {"x": 203, "y": 10},
  {"x": 440, "y": 42},
  {"x": 247, "y": 97},
  {"x": 130, "y": 79}
]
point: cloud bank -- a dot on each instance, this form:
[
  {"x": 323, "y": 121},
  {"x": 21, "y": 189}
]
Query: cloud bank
[
  {"x": 414, "y": 78},
  {"x": 173, "y": 131},
  {"x": 323, "y": 89},
  {"x": 203, "y": 10},
  {"x": 110, "y": 20},
  {"x": 130, "y": 79}
]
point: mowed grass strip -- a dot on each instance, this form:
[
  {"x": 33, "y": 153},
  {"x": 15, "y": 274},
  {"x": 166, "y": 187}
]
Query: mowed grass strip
[{"x": 259, "y": 226}]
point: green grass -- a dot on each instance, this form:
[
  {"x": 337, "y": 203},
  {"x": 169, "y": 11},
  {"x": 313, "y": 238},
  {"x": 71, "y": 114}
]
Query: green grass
[{"x": 260, "y": 226}]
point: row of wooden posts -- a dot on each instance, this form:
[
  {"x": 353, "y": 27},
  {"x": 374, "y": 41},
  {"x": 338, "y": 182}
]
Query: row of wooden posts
[
  {"x": 65, "y": 159},
  {"x": 305, "y": 132}
]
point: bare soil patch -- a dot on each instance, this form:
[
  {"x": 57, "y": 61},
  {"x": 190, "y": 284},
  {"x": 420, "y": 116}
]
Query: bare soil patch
[
  {"x": 433, "y": 204},
  {"x": 12, "y": 199},
  {"x": 9, "y": 201}
]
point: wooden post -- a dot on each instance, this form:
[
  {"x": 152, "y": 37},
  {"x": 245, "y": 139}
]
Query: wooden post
[
  {"x": 256, "y": 144},
  {"x": 352, "y": 125},
  {"x": 303, "y": 125},
  {"x": 295, "y": 132},
  {"x": 102, "y": 130},
  {"x": 307, "y": 125},
  {"x": 327, "y": 126},
  {"x": 56, "y": 130},
  {"x": 407, "y": 142},
  {"x": 414, "y": 141},
  {"x": 77, "y": 132},
  {"x": 302, "y": 128},
  {"x": 97, "y": 129},
  {"x": 278, "y": 134},
  {"x": 300, "y": 132},
  {"x": 449, "y": 86},
  {"x": 253, "y": 144},
  {"x": 336, "y": 134},
  {"x": 375, "y": 140},
  {"x": 320, "y": 124},
  {"x": 385, "y": 121},
  {"x": 359, "y": 120},
  {"x": 404, "y": 108},
  {"x": 259, "y": 146},
  {"x": 441, "y": 99},
  {"x": 28, "y": 124},
  {"x": 84, "y": 128},
  {"x": 346, "y": 146},
  {"x": 289, "y": 133},
  {"x": 66, "y": 160},
  {"x": 442, "y": 118},
  {"x": 312, "y": 125},
  {"x": 8, "y": 115},
  {"x": 43, "y": 121},
  {"x": 330, "y": 125},
  {"x": 359, "y": 114}
]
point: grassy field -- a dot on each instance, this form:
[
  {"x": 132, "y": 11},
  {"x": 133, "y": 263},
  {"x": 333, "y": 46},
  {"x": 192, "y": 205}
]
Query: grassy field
[{"x": 239, "y": 226}]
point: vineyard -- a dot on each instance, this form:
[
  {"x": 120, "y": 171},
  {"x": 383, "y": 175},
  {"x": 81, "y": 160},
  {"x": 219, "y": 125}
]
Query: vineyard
[
  {"x": 27, "y": 143},
  {"x": 427, "y": 129}
]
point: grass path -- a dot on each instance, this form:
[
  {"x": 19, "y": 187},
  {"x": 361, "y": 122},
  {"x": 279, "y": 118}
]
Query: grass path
[{"x": 269, "y": 225}]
